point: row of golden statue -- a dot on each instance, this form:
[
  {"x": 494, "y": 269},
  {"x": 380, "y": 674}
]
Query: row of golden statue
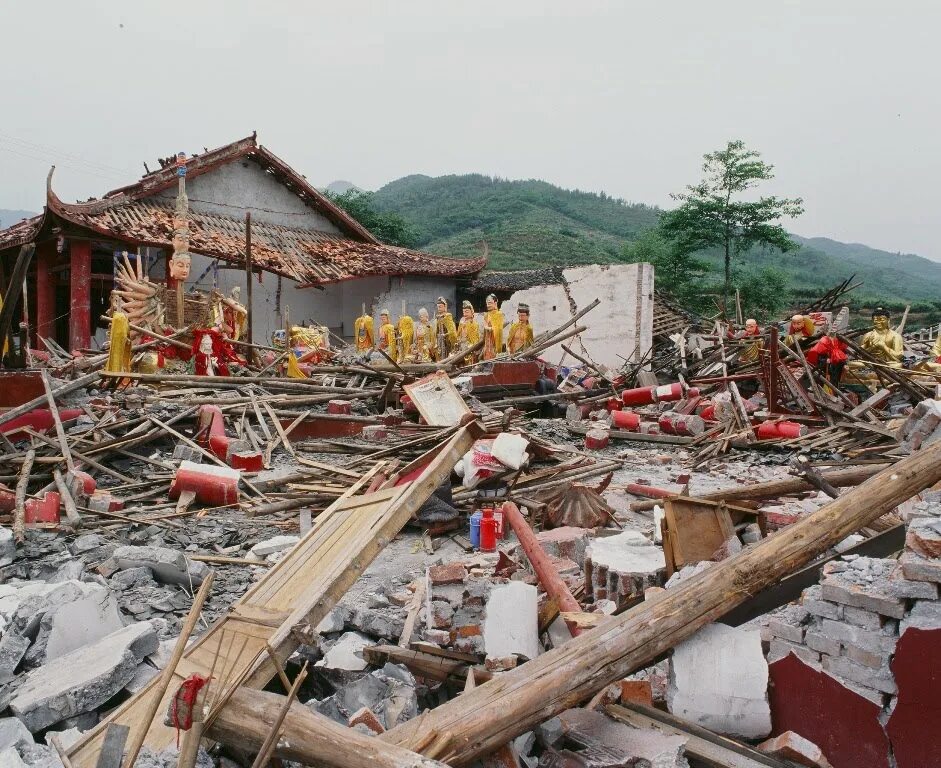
[{"x": 437, "y": 339}]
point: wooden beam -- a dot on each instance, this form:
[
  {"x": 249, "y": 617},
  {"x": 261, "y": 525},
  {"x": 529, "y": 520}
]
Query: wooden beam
[
  {"x": 13, "y": 290},
  {"x": 484, "y": 719}
]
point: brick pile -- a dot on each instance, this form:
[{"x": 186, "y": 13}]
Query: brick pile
[
  {"x": 455, "y": 603},
  {"x": 619, "y": 568},
  {"x": 850, "y": 623}
]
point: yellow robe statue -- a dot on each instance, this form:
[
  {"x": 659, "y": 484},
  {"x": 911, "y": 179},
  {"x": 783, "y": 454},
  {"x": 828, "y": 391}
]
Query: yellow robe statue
[
  {"x": 406, "y": 332},
  {"x": 387, "y": 341},
  {"x": 445, "y": 336},
  {"x": 493, "y": 334},
  {"x": 363, "y": 331},
  {"x": 119, "y": 355},
  {"x": 468, "y": 334},
  {"x": 520, "y": 337}
]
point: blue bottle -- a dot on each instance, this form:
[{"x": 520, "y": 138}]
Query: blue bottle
[{"x": 475, "y": 529}]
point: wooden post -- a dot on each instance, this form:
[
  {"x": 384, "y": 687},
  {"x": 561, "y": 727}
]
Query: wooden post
[
  {"x": 248, "y": 278},
  {"x": 19, "y": 523},
  {"x": 168, "y": 671},
  {"x": 484, "y": 719},
  {"x": 13, "y": 292}
]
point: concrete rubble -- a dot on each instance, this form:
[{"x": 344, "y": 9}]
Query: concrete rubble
[{"x": 189, "y": 485}]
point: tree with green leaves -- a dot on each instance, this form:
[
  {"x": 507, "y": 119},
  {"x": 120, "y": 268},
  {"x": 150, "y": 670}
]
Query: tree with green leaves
[
  {"x": 389, "y": 228},
  {"x": 716, "y": 212}
]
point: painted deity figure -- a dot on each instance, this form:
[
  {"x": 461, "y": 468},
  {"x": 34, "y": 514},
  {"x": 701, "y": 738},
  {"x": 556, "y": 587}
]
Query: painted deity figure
[
  {"x": 386, "y": 341},
  {"x": 363, "y": 332},
  {"x": 829, "y": 355},
  {"x": 423, "y": 341},
  {"x": 206, "y": 361},
  {"x": 468, "y": 332},
  {"x": 445, "y": 330},
  {"x": 230, "y": 314},
  {"x": 748, "y": 353},
  {"x": 406, "y": 330},
  {"x": 180, "y": 261},
  {"x": 801, "y": 327},
  {"x": 520, "y": 336},
  {"x": 882, "y": 342},
  {"x": 493, "y": 329}
]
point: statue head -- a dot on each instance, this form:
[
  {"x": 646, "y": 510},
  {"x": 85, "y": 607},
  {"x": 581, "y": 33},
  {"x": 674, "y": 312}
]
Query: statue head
[
  {"x": 522, "y": 313},
  {"x": 442, "y": 305},
  {"x": 205, "y": 344},
  {"x": 467, "y": 310},
  {"x": 423, "y": 315},
  {"x": 180, "y": 266},
  {"x": 880, "y": 319},
  {"x": 236, "y": 293},
  {"x": 492, "y": 303},
  {"x": 751, "y": 325},
  {"x": 384, "y": 316}
]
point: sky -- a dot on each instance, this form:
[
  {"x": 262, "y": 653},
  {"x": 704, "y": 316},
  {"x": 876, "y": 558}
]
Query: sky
[{"x": 843, "y": 98}]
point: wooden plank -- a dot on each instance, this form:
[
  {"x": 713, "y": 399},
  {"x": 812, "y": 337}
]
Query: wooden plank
[
  {"x": 112, "y": 752},
  {"x": 304, "y": 585},
  {"x": 705, "y": 746},
  {"x": 696, "y": 530}
]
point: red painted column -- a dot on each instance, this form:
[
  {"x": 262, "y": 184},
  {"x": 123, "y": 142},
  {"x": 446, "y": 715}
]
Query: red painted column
[
  {"x": 45, "y": 292},
  {"x": 79, "y": 309}
]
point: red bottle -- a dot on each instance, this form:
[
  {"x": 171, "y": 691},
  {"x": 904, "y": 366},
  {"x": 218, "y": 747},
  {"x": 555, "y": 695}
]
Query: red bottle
[{"x": 488, "y": 531}]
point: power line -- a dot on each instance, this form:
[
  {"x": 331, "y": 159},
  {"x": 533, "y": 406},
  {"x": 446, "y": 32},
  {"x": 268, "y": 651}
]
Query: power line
[{"x": 55, "y": 152}]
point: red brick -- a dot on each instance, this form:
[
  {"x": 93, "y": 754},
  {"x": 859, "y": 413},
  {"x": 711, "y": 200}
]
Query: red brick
[
  {"x": 450, "y": 573},
  {"x": 468, "y": 630},
  {"x": 368, "y": 718},
  {"x": 797, "y": 749},
  {"x": 636, "y": 692}
]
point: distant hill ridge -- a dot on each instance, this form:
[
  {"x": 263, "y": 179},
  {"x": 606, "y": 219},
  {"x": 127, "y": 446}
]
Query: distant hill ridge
[{"x": 532, "y": 224}]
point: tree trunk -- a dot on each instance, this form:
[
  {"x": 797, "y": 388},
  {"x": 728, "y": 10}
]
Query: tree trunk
[
  {"x": 728, "y": 279},
  {"x": 484, "y": 719}
]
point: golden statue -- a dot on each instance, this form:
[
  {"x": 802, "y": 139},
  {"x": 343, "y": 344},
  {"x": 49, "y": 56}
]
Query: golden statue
[
  {"x": 363, "y": 332},
  {"x": 520, "y": 336},
  {"x": 423, "y": 340},
  {"x": 493, "y": 329},
  {"x": 119, "y": 355},
  {"x": 406, "y": 332},
  {"x": 445, "y": 331},
  {"x": 882, "y": 342},
  {"x": 387, "y": 336},
  {"x": 468, "y": 332}
]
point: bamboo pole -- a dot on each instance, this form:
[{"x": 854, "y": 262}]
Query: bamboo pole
[
  {"x": 484, "y": 719},
  {"x": 19, "y": 511}
]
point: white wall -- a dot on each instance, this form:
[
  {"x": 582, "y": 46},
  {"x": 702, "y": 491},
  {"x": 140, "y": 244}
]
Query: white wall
[{"x": 620, "y": 328}]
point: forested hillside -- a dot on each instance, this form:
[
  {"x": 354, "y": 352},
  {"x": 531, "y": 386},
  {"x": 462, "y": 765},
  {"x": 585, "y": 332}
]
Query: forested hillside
[{"x": 530, "y": 224}]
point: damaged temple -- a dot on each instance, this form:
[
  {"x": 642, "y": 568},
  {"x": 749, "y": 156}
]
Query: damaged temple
[{"x": 273, "y": 492}]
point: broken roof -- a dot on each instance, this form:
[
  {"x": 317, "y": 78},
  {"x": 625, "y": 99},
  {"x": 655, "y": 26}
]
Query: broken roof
[{"x": 134, "y": 215}]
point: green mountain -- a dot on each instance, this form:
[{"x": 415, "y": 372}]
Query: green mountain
[{"x": 531, "y": 224}]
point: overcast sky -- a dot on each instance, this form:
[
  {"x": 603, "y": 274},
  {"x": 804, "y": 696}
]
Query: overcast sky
[{"x": 842, "y": 97}]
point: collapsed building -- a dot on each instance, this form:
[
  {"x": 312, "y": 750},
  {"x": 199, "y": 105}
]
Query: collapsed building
[{"x": 645, "y": 539}]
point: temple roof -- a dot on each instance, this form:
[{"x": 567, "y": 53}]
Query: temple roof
[{"x": 134, "y": 215}]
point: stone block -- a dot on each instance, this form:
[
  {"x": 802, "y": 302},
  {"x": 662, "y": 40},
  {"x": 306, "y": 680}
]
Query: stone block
[
  {"x": 168, "y": 565},
  {"x": 511, "y": 627},
  {"x": 439, "y": 615},
  {"x": 858, "y": 597},
  {"x": 10, "y": 758},
  {"x": 918, "y": 568},
  {"x": 334, "y": 621},
  {"x": 924, "y": 537},
  {"x": 850, "y": 634},
  {"x": 620, "y": 567},
  {"x": 786, "y": 631},
  {"x": 346, "y": 654},
  {"x": 911, "y": 589},
  {"x": 14, "y": 734},
  {"x": 84, "y": 679},
  {"x": 565, "y": 543},
  {"x": 794, "y": 747},
  {"x": 274, "y": 545},
  {"x": 821, "y": 643},
  {"x": 925, "y": 615},
  {"x": 814, "y": 604},
  {"x": 83, "y": 622},
  {"x": 7, "y": 547},
  {"x": 778, "y": 649},
  {"x": 866, "y": 658},
  {"x": 12, "y": 649},
  {"x": 846, "y": 668},
  {"x": 861, "y": 618},
  {"x": 603, "y": 741},
  {"x": 719, "y": 680}
]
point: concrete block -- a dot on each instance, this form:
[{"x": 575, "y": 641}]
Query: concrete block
[
  {"x": 7, "y": 547},
  {"x": 850, "y": 634},
  {"x": 814, "y": 604},
  {"x": 924, "y": 537},
  {"x": 855, "y": 596},
  {"x": 511, "y": 627},
  {"x": 924, "y": 615},
  {"x": 794, "y": 747},
  {"x": 168, "y": 565},
  {"x": 861, "y": 618},
  {"x": 821, "y": 643},
  {"x": 778, "y": 649},
  {"x": 84, "y": 679},
  {"x": 334, "y": 621},
  {"x": 346, "y": 654},
  {"x": 845, "y": 668},
  {"x": 719, "y": 680},
  {"x": 911, "y": 589},
  {"x": 604, "y": 741},
  {"x": 918, "y": 568},
  {"x": 12, "y": 649},
  {"x": 565, "y": 543},
  {"x": 14, "y": 734},
  {"x": 620, "y": 567},
  {"x": 10, "y": 758},
  {"x": 786, "y": 631},
  {"x": 274, "y": 545},
  {"x": 866, "y": 658},
  {"x": 81, "y": 623}
]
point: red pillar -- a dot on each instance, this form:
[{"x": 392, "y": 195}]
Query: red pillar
[
  {"x": 79, "y": 309},
  {"x": 45, "y": 292}
]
